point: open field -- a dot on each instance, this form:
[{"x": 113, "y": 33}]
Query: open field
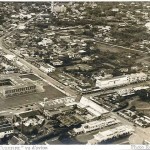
[
  {"x": 14, "y": 101},
  {"x": 30, "y": 76},
  {"x": 113, "y": 48},
  {"x": 141, "y": 104},
  {"x": 50, "y": 92}
]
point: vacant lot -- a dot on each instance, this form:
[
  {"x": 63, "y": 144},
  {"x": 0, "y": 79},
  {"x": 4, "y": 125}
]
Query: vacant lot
[
  {"x": 141, "y": 104},
  {"x": 50, "y": 92},
  {"x": 30, "y": 76},
  {"x": 115, "y": 49}
]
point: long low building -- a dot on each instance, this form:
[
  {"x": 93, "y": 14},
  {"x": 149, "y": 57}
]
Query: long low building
[
  {"x": 47, "y": 68},
  {"x": 19, "y": 89},
  {"x": 121, "y": 80},
  {"x": 131, "y": 90},
  {"x": 95, "y": 125},
  {"x": 14, "y": 85},
  {"x": 110, "y": 134},
  {"x": 92, "y": 107}
]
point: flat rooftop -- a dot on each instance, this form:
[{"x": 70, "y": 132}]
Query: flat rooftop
[{"x": 16, "y": 82}]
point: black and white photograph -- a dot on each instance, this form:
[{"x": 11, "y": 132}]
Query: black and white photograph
[{"x": 75, "y": 73}]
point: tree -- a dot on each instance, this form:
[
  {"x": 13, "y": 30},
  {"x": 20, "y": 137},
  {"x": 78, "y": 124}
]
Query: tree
[{"x": 143, "y": 94}]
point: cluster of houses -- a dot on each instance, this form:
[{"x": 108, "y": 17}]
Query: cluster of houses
[{"x": 133, "y": 116}]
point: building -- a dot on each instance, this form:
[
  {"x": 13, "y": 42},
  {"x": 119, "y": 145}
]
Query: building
[
  {"x": 5, "y": 127},
  {"x": 59, "y": 9},
  {"x": 57, "y": 63},
  {"x": 28, "y": 121},
  {"x": 110, "y": 134},
  {"x": 18, "y": 90},
  {"x": 131, "y": 91},
  {"x": 47, "y": 68},
  {"x": 10, "y": 57},
  {"x": 121, "y": 80},
  {"x": 95, "y": 125},
  {"x": 92, "y": 107},
  {"x": 16, "y": 141},
  {"x": 10, "y": 86}
]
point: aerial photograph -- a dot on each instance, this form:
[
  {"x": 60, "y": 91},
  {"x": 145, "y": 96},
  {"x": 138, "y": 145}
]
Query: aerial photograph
[{"x": 74, "y": 73}]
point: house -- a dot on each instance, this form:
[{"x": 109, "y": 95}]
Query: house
[
  {"x": 47, "y": 68},
  {"x": 5, "y": 127},
  {"x": 57, "y": 62},
  {"x": 10, "y": 57},
  {"x": 28, "y": 121}
]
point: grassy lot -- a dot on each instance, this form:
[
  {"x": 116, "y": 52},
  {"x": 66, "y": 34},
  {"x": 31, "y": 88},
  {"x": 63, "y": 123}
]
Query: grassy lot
[
  {"x": 30, "y": 76},
  {"x": 14, "y": 101},
  {"x": 140, "y": 104},
  {"x": 50, "y": 92},
  {"x": 115, "y": 49}
]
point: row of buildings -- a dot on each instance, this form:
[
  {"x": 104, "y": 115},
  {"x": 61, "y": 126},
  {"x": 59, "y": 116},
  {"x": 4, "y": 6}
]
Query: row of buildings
[
  {"x": 133, "y": 116},
  {"x": 111, "y": 134},
  {"x": 121, "y": 80},
  {"x": 95, "y": 125}
]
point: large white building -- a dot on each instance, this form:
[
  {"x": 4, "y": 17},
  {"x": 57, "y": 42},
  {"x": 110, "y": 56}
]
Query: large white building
[
  {"x": 14, "y": 85},
  {"x": 94, "y": 125},
  {"x": 47, "y": 68},
  {"x": 10, "y": 57},
  {"x": 92, "y": 107},
  {"x": 121, "y": 80},
  {"x": 112, "y": 133}
]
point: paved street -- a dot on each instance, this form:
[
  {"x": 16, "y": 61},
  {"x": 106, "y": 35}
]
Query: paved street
[
  {"x": 140, "y": 133},
  {"x": 65, "y": 89}
]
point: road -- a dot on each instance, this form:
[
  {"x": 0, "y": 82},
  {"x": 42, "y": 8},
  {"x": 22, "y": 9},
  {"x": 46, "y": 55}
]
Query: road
[
  {"x": 112, "y": 45},
  {"x": 64, "y": 89}
]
